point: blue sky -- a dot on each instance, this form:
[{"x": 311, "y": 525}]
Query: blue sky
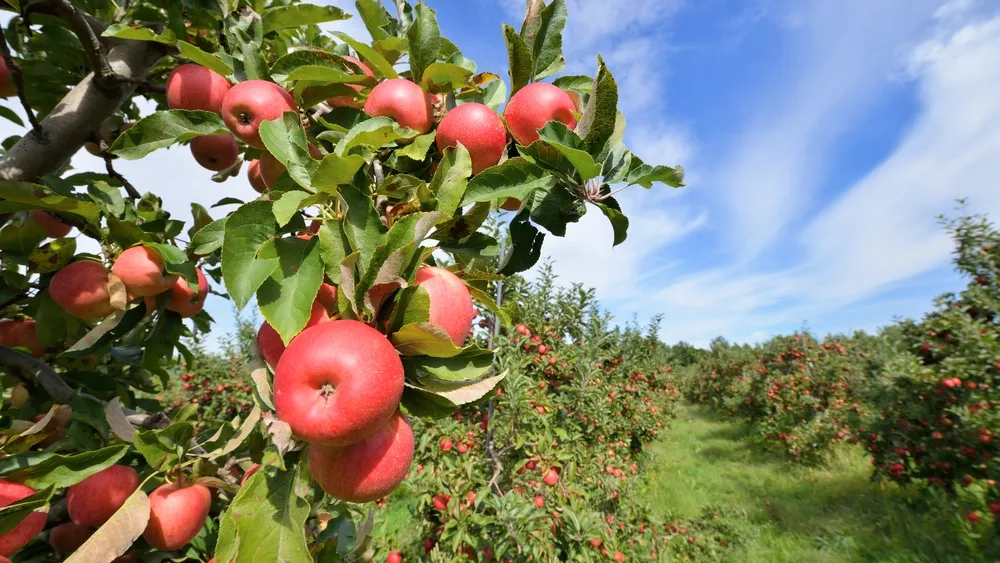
[{"x": 821, "y": 139}]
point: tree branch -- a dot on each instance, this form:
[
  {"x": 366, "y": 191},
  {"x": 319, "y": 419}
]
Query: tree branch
[
  {"x": 92, "y": 48},
  {"x": 129, "y": 188},
  {"x": 15, "y": 73}
]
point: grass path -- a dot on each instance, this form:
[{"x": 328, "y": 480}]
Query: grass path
[{"x": 794, "y": 514}]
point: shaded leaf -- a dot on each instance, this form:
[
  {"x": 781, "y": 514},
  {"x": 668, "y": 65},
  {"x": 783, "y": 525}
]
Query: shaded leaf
[{"x": 164, "y": 128}]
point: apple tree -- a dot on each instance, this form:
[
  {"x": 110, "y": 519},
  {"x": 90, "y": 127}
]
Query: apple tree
[{"x": 374, "y": 167}]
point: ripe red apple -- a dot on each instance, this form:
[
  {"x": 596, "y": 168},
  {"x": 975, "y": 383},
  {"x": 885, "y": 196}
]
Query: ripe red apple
[
  {"x": 51, "y": 226},
  {"x": 256, "y": 180},
  {"x": 176, "y": 515},
  {"x": 551, "y": 477},
  {"x": 271, "y": 168},
  {"x": 479, "y": 129},
  {"x": 349, "y": 101},
  {"x": 540, "y": 501},
  {"x": 328, "y": 296},
  {"x": 143, "y": 272},
  {"x": 7, "y": 88},
  {"x": 193, "y": 87},
  {"x": 535, "y": 105},
  {"x": 445, "y": 445},
  {"x": 185, "y": 301},
  {"x": 94, "y": 500},
  {"x": 81, "y": 288},
  {"x": 337, "y": 382},
  {"x": 249, "y": 103},
  {"x": 451, "y": 303},
  {"x": 403, "y": 101},
  {"x": 394, "y": 557},
  {"x": 369, "y": 469},
  {"x": 21, "y": 334},
  {"x": 67, "y": 538},
  {"x": 440, "y": 502},
  {"x": 269, "y": 343},
  {"x": 31, "y": 526},
  {"x": 215, "y": 152}
]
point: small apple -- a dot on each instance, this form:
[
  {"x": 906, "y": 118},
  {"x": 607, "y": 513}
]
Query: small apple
[
  {"x": 535, "y": 105},
  {"x": 81, "y": 288},
  {"x": 403, "y": 101},
  {"x": 366, "y": 470},
  {"x": 479, "y": 129},
  {"x": 67, "y": 538},
  {"x": 21, "y": 334},
  {"x": 194, "y": 87},
  {"x": 215, "y": 152},
  {"x": 143, "y": 271},
  {"x": 186, "y": 302},
  {"x": 32, "y": 524},
  {"x": 51, "y": 226},
  {"x": 93, "y": 501},
  {"x": 451, "y": 303},
  {"x": 251, "y": 102},
  {"x": 176, "y": 515},
  {"x": 338, "y": 382},
  {"x": 256, "y": 180}
]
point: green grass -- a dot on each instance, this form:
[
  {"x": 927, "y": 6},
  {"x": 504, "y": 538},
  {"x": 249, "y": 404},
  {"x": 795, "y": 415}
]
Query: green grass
[{"x": 828, "y": 513}]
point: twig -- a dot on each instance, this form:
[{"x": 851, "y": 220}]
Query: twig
[
  {"x": 121, "y": 12},
  {"x": 104, "y": 75},
  {"x": 129, "y": 188},
  {"x": 150, "y": 88},
  {"x": 15, "y": 72}
]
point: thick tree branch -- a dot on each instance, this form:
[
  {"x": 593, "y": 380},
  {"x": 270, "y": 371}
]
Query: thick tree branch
[{"x": 15, "y": 73}]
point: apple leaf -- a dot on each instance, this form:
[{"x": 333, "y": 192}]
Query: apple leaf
[
  {"x": 322, "y": 73},
  {"x": 555, "y": 208},
  {"x": 376, "y": 18},
  {"x": 526, "y": 246},
  {"x": 644, "y": 175},
  {"x": 165, "y": 128},
  {"x": 545, "y": 40},
  {"x": 25, "y": 196},
  {"x": 12, "y": 514},
  {"x": 380, "y": 67},
  {"x": 207, "y": 60},
  {"x": 445, "y": 77},
  {"x": 248, "y": 256},
  {"x": 66, "y": 470},
  {"x": 283, "y": 68},
  {"x": 286, "y": 297},
  {"x": 473, "y": 364},
  {"x": 333, "y": 248},
  {"x": 334, "y": 171},
  {"x": 515, "y": 177},
  {"x": 486, "y": 300},
  {"x": 424, "y": 38},
  {"x": 557, "y": 135},
  {"x": 412, "y": 306},
  {"x": 298, "y": 15},
  {"x": 209, "y": 238},
  {"x": 519, "y": 58},
  {"x": 289, "y": 203},
  {"x": 375, "y": 133},
  {"x": 126, "y": 31},
  {"x": 159, "y": 446},
  {"x": 286, "y": 141},
  {"x": 117, "y": 535},
  {"x": 364, "y": 228},
  {"x": 417, "y": 150},
  {"x": 619, "y": 222},
  {"x": 599, "y": 117},
  {"x": 424, "y": 339},
  {"x": 451, "y": 179}
]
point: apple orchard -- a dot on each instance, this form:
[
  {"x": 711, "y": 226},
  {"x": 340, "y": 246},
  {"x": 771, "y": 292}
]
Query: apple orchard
[{"x": 395, "y": 192}]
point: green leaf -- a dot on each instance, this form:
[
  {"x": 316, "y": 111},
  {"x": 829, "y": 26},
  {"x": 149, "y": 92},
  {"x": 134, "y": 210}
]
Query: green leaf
[
  {"x": 159, "y": 446},
  {"x": 124, "y": 321},
  {"x": 282, "y": 68},
  {"x": 417, "y": 150},
  {"x": 209, "y": 238},
  {"x": 555, "y": 208},
  {"x": 12, "y": 514},
  {"x": 334, "y": 171},
  {"x": 435, "y": 395},
  {"x": 24, "y": 196},
  {"x": 333, "y": 248},
  {"x": 445, "y": 77},
  {"x": 207, "y": 60},
  {"x": 644, "y": 175},
  {"x": 266, "y": 521},
  {"x": 598, "y": 122},
  {"x": 248, "y": 256},
  {"x": 165, "y": 128},
  {"x": 424, "y": 39},
  {"x": 126, "y": 31},
  {"x": 298, "y": 15},
  {"x": 319, "y": 73},
  {"x": 519, "y": 58},
  {"x": 412, "y": 306},
  {"x": 286, "y": 206},
  {"x": 570, "y": 145},
  {"x": 473, "y": 364},
  {"x": 286, "y": 141},
  {"x": 619, "y": 222},
  {"x": 251, "y": 64},
  {"x": 376, "y": 18},
  {"x": 451, "y": 179},
  {"x": 63, "y": 471},
  {"x": 21, "y": 240},
  {"x": 8, "y": 114},
  {"x": 286, "y": 297},
  {"x": 526, "y": 246},
  {"x": 363, "y": 227},
  {"x": 486, "y": 300},
  {"x": 380, "y": 67},
  {"x": 579, "y": 82},
  {"x": 545, "y": 40},
  {"x": 375, "y": 133},
  {"x": 424, "y": 339},
  {"x": 515, "y": 177}
]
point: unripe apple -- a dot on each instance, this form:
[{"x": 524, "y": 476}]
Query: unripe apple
[
  {"x": 271, "y": 168},
  {"x": 28, "y": 528},
  {"x": 143, "y": 272},
  {"x": 67, "y": 538},
  {"x": 21, "y": 334},
  {"x": 256, "y": 180},
  {"x": 337, "y": 382},
  {"x": 176, "y": 515},
  {"x": 451, "y": 303},
  {"x": 195, "y": 87},
  {"x": 369, "y": 469},
  {"x": 269, "y": 343},
  {"x": 186, "y": 302},
  {"x": 52, "y": 227},
  {"x": 479, "y": 129},
  {"x": 7, "y": 88},
  {"x": 535, "y": 105},
  {"x": 215, "y": 152},
  {"x": 81, "y": 288},
  {"x": 403, "y": 101},
  {"x": 251, "y": 102},
  {"x": 93, "y": 501},
  {"x": 349, "y": 101}
]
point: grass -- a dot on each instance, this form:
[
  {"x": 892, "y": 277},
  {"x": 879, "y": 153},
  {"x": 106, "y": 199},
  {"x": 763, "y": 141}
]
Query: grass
[{"x": 829, "y": 513}]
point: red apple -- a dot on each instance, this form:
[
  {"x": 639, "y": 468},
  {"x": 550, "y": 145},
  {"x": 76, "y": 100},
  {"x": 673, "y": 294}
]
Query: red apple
[
  {"x": 349, "y": 101},
  {"x": 94, "y": 500},
  {"x": 451, "y": 303},
  {"x": 21, "y": 334},
  {"x": 215, "y": 152},
  {"x": 403, "y": 101},
  {"x": 479, "y": 129},
  {"x": 251, "y": 102},
  {"x": 535, "y": 105},
  {"x": 540, "y": 501},
  {"x": 81, "y": 288},
  {"x": 551, "y": 477},
  {"x": 176, "y": 515},
  {"x": 28, "y": 528},
  {"x": 143, "y": 272},
  {"x": 369, "y": 469},
  {"x": 271, "y": 168},
  {"x": 394, "y": 557},
  {"x": 67, "y": 538},
  {"x": 328, "y": 297},
  {"x": 185, "y": 301},
  {"x": 256, "y": 180},
  {"x": 337, "y": 382},
  {"x": 440, "y": 502},
  {"x": 7, "y": 88},
  {"x": 193, "y": 87},
  {"x": 51, "y": 226},
  {"x": 246, "y": 476},
  {"x": 269, "y": 343}
]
